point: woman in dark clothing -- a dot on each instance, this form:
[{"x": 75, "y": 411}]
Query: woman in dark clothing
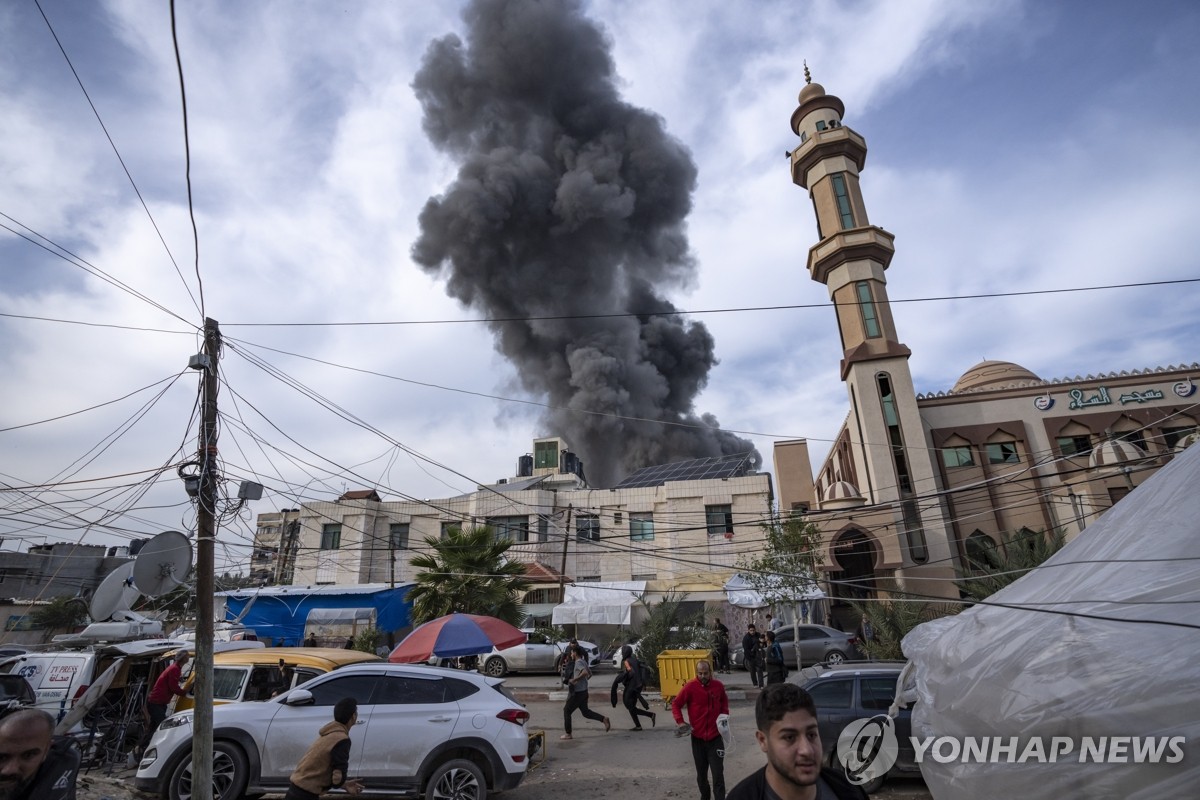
[
  {"x": 776, "y": 668},
  {"x": 631, "y": 676}
]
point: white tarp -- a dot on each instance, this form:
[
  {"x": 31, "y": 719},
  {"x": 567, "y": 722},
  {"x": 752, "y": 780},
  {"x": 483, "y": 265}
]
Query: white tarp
[
  {"x": 742, "y": 594},
  {"x": 599, "y": 603},
  {"x": 1116, "y": 658}
]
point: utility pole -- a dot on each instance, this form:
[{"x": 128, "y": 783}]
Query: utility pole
[
  {"x": 562, "y": 572},
  {"x": 206, "y": 535}
]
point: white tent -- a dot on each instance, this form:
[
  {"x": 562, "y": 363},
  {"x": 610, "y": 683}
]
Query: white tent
[
  {"x": 742, "y": 594},
  {"x": 599, "y": 603},
  {"x": 1100, "y": 641}
]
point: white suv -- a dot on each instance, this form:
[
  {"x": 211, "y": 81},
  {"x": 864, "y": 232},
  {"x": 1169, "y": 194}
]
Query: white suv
[{"x": 421, "y": 731}]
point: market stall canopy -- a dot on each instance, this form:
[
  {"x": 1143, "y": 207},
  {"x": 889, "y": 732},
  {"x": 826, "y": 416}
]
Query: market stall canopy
[
  {"x": 742, "y": 594},
  {"x": 1099, "y": 641},
  {"x": 599, "y": 603}
]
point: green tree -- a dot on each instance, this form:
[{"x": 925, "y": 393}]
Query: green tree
[
  {"x": 1017, "y": 554},
  {"x": 666, "y": 628},
  {"x": 784, "y": 573},
  {"x": 467, "y": 572},
  {"x": 60, "y": 614}
]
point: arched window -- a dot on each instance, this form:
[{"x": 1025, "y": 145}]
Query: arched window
[{"x": 980, "y": 551}]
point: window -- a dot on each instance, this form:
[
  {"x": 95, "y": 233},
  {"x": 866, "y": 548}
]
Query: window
[
  {"x": 227, "y": 682},
  {"x": 891, "y": 418},
  {"x": 958, "y": 457},
  {"x": 644, "y": 576},
  {"x": 833, "y": 694},
  {"x": 545, "y": 455},
  {"x": 617, "y": 518},
  {"x": 590, "y": 579},
  {"x": 1003, "y": 453},
  {"x": 867, "y": 306},
  {"x": 587, "y": 528},
  {"x": 360, "y": 687},
  {"x": 1074, "y": 445},
  {"x": 877, "y": 693},
  {"x": 821, "y": 125},
  {"x": 398, "y": 535},
  {"x": 719, "y": 519},
  {"x": 509, "y": 529},
  {"x": 331, "y": 536},
  {"x": 842, "y": 197},
  {"x": 450, "y": 526},
  {"x": 1136, "y": 437},
  {"x": 1170, "y": 437},
  {"x": 981, "y": 551},
  {"x": 396, "y": 690},
  {"x": 641, "y": 527}
]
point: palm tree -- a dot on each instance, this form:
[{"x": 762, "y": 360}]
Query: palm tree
[
  {"x": 467, "y": 572},
  {"x": 61, "y": 613},
  {"x": 1018, "y": 554}
]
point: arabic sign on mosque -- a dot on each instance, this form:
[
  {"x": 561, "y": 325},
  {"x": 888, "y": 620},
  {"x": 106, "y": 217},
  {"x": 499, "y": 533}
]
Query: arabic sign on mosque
[{"x": 1101, "y": 397}]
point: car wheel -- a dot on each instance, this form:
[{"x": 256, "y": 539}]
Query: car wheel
[
  {"x": 229, "y": 774},
  {"x": 495, "y": 667},
  {"x": 835, "y": 657},
  {"x": 459, "y": 779}
]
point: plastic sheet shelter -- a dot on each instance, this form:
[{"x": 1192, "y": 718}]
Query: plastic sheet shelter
[
  {"x": 1100, "y": 641},
  {"x": 599, "y": 603},
  {"x": 281, "y": 612}
]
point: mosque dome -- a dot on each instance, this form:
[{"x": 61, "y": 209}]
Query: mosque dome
[
  {"x": 841, "y": 494},
  {"x": 994, "y": 375},
  {"x": 1114, "y": 453}
]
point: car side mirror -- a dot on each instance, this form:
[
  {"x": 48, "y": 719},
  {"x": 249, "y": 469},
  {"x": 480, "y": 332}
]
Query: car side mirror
[{"x": 298, "y": 697}]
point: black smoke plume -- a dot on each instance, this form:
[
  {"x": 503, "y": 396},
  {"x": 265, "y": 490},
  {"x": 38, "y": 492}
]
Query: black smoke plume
[{"x": 569, "y": 203}]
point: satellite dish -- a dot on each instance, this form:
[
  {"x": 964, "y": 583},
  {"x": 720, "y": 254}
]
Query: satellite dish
[
  {"x": 163, "y": 563},
  {"x": 115, "y": 593}
]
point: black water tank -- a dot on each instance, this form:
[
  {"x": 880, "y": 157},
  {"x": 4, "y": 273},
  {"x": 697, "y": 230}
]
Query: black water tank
[
  {"x": 525, "y": 466},
  {"x": 569, "y": 463}
]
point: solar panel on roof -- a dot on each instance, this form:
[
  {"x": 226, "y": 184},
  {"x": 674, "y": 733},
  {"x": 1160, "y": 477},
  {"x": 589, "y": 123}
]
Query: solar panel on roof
[{"x": 731, "y": 466}]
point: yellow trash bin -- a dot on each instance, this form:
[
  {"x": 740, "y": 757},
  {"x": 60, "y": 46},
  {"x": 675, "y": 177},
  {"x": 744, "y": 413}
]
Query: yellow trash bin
[{"x": 677, "y": 667}]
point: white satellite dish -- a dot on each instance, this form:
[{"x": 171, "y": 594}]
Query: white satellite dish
[
  {"x": 163, "y": 563},
  {"x": 115, "y": 593}
]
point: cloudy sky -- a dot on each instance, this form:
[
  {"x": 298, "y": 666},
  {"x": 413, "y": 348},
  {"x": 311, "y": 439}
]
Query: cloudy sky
[{"x": 1014, "y": 146}]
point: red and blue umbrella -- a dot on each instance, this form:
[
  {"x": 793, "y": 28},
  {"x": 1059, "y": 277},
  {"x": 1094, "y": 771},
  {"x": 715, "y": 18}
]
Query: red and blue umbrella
[{"x": 456, "y": 635}]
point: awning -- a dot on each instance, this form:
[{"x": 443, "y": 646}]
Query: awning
[
  {"x": 599, "y": 603},
  {"x": 742, "y": 594}
]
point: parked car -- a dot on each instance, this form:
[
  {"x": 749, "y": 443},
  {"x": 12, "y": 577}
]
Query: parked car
[
  {"x": 848, "y": 692},
  {"x": 818, "y": 644},
  {"x": 254, "y": 675},
  {"x": 537, "y": 654},
  {"x": 422, "y": 730}
]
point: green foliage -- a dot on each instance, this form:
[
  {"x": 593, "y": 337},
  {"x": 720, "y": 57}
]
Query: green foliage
[
  {"x": 1017, "y": 554},
  {"x": 467, "y": 572},
  {"x": 892, "y": 619},
  {"x": 553, "y": 633},
  {"x": 367, "y": 640},
  {"x": 784, "y": 572},
  {"x": 60, "y": 614},
  {"x": 667, "y": 629}
]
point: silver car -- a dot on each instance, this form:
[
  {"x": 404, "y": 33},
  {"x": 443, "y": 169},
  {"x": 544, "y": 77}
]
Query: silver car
[
  {"x": 537, "y": 654},
  {"x": 818, "y": 644}
]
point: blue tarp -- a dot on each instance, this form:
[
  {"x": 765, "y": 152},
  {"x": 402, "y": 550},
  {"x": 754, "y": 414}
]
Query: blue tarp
[{"x": 280, "y": 612}]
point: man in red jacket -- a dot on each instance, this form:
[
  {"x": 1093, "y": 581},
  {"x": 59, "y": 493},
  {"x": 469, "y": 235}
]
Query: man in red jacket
[
  {"x": 705, "y": 699},
  {"x": 165, "y": 689}
]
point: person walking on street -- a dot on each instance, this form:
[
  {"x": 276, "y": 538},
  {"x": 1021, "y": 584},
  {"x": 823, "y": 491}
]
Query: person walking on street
[
  {"x": 34, "y": 763},
  {"x": 631, "y": 676},
  {"x": 577, "y": 693},
  {"x": 705, "y": 699},
  {"x": 786, "y": 719},
  {"x": 722, "y": 649},
  {"x": 750, "y": 655},
  {"x": 324, "y": 766},
  {"x": 776, "y": 668}
]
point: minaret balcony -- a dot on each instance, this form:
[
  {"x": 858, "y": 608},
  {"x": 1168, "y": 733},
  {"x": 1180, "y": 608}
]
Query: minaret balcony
[
  {"x": 857, "y": 244},
  {"x": 839, "y": 141}
]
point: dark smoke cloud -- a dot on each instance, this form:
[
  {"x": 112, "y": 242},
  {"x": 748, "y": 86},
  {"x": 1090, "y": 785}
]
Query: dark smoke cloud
[{"x": 569, "y": 201}]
